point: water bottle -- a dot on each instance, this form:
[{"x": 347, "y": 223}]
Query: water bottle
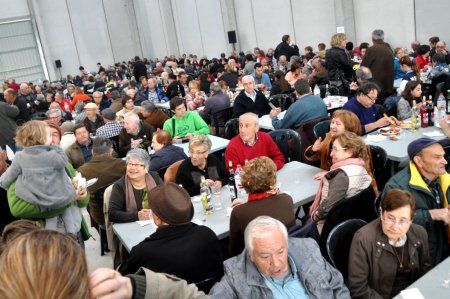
[
  {"x": 317, "y": 91},
  {"x": 447, "y": 108},
  {"x": 440, "y": 105},
  {"x": 327, "y": 91},
  {"x": 205, "y": 194},
  {"x": 237, "y": 179}
]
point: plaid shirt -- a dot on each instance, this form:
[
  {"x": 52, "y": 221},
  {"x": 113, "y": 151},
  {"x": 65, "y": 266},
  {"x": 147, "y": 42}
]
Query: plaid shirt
[{"x": 110, "y": 129}]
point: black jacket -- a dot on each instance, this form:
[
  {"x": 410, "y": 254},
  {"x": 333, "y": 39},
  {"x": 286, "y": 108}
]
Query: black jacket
[
  {"x": 243, "y": 104},
  {"x": 336, "y": 59},
  {"x": 189, "y": 251},
  {"x": 285, "y": 49},
  {"x": 166, "y": 156}
]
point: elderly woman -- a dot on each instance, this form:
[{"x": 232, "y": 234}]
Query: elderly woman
[
  {"x": 129, "y": 196},
  {"x": 201, "y": 163},
  {"x": 128, "y": 106},
  {"x": 165, "y": 152},
  {"x": 389, "y": 253},
  {"x": 184, "y": 124},
  {"x": 346, "y": 178},
  {"x": 258, "y": 179}
]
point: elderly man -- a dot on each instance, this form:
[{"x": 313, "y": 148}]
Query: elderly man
[
  {"x": 153, "y": 115},
  {"x": 218, "y": 101},
  {"x": 250, "y": 100},
  {"x": 135, "y": 134},
  {"x": 319, "y": 75},
  {"x": 306, "y": 108},
  {"x": 262, "y": 80},
  {"x": 64, "y": 103},
  {"x": 54, "y": 116},
  {"x": 440, "y": 48},
  {"x": 363, "y": 105},
  {"x": 363, "y": 74},
  {"x": 100, "y": 101},
  {"x": 250, "y": 143},
  {"x": 379, "y": 59},
  {"x": 428, "y": 181},
  {"x": 27, "y": 96},
  {"x": 283, "y": 64},
  {"x": 80, "y": 151},
  {"x": 8, "y": 124},
  {"x": 178, "y": 247},
  {"x": 11, "y": 98},
  {"x": 93, "y": 120},
  {"x": 106, "y": 169},
  {"x": 111, "y": 128},
  {"x": 275, "y": 266}
]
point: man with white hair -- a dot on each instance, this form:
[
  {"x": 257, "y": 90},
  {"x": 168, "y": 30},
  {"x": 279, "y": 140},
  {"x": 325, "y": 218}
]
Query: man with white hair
[
  {"x": 250, "y": 100},
  {"x": 135, "y": 134},
  {"x": 275, "y": 266},
  {"x": 380, "y": 60},
  {"x": 440, "y": 48}
]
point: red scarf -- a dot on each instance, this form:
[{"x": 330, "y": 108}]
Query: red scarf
[
  {"x": 349, "y": 161},
  {"x": 259, "y": 196}
]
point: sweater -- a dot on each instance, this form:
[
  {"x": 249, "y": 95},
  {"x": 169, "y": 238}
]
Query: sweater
[
  {"x": 306, "y": 108},
  {"x": 365, "y": 115},
  {"x": 189, "y": 176},
  {"x": 238, "y": 152},
  {"x": 190, "y": 123},
  {"x": 166, "y": 156},
  {"x": 244, "y": 104}
]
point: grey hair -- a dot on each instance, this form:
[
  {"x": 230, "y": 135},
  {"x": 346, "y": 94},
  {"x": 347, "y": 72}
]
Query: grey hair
[
  {"x": 198, "y": 140},
  {"x": 132, "y": 116},
  {"x": 97, "y": 92},
  {"x": 302, "y": 87},
  {"x": 79, "y": 106},
  {"x": 67, "y": 127},
  {"x": 148, "y": 105},
  {"x": 140, "y": 155},
  {"x": 378, "y": 35},
  {"x": 60, "y": 93},
  {"x": 23, "y": 85},
  {"x": 248, "y": 77},
  {"x": 363, "y": 73},
  {"x": 101, "y": 146},
  {"x": 251, "y": 114},
  {"x": 215, "y": 87},
  {"x": 57, "y": 111},
  {"x": 263, "y": 227}
]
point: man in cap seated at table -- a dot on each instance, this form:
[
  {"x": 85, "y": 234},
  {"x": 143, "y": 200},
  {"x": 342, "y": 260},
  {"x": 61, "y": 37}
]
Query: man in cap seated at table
[
  {"x": 178, "y": 247},
  {"x": 250, "y": 143},
  {"x": 93, "y": 120},
  {"x": 427, "y": 179},
  {"x": 275, "y": 266},
  {"x": 363, "y": 105}
]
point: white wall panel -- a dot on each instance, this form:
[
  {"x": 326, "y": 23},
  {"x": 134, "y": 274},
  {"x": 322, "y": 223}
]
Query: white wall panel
[
  {"x": 432, "y": 19},
  {"x": 396, "y": 18},
  {"x": 13, "y": 9},
  {"x": 186, "y": 21},
  {"x": 245, "y": 25},
  {"x": 213, "y": 35},
  {"x": 90, "y": 32}
]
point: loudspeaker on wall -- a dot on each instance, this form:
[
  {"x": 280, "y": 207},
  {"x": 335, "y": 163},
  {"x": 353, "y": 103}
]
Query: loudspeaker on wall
[
  {"x": 232, "y": 37},
  {"x": 58, "y": 63}
]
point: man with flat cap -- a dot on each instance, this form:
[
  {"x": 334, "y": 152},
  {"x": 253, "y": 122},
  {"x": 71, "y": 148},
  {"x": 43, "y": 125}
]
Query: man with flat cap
[
  {"x": 427, "y": 179},
  {"x": 178, "y": 247}
]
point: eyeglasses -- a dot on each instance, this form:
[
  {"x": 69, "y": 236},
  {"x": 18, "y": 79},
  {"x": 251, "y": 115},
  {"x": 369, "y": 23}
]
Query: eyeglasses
[
  {"x": 197, "y": 153},
  {"x": 370, "y": 98},
  {"x": 135, "y": 165},
  {"x": 335, "y": 149},
  {"x": 390, "y": 220}
]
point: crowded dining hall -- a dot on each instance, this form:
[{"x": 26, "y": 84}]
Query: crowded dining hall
[{"x": 203, "y": 149}]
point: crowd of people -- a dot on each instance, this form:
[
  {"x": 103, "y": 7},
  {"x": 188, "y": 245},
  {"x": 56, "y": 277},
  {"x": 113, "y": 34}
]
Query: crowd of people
[{"x": 109, "y": 124}]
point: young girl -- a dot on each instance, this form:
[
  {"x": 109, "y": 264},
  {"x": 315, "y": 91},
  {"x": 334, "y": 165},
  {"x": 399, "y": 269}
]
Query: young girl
[
  {"x": 41, "y": 178},
  {"x": 413, "y": 91}
]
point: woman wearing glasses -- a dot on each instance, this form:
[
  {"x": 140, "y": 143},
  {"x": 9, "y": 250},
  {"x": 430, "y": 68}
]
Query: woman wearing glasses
[
  {"x": 391, "y": 252},
  {"x": 346, "y": 178},
  {"x": 201, "y": 163},
  {"x": 129, "y": 201}
]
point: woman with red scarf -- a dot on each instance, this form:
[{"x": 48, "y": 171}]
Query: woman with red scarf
[
  {"x": 258, "y": 178},
  {"x": 346, "y": 178}
]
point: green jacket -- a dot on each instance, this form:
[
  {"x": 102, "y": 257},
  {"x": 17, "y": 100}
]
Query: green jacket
[
  {"x": 22, "y": 209},
  {"x": 192, "y": 123},
  {"x": 409, "y": 179}
]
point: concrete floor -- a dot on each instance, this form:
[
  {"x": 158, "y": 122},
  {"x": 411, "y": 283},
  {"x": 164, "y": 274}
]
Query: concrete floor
[{"x": 92, "y": 248}]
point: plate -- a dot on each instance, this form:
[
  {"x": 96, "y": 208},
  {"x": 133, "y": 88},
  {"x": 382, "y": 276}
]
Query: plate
[
  {"x": 387, "y": 131},
  {"x": 91, "y": 182}
]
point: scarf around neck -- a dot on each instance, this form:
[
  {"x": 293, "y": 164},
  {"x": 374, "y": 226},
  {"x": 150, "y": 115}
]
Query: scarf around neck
[{"x": 130, "y": 200}]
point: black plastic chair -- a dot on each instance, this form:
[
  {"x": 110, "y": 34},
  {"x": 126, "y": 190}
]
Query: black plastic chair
[
  {"x": 231, "y": 128},
  {"x": 339, "y": 242},
  {"x": 379, "y": 160},
  {"x": 289, "y": 143},
  {"x": 360, "y": 206},
  {"x": 322, "y": 128},
  {"x": 219, "y": 119},
  {"x": 99, "y": 222},
  {"x": 307, "y": 136},
  {"x": 283, "y": 101}
]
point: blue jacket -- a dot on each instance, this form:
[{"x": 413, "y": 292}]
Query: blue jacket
[
  {"x": 166, "y": 156},
  {"x": 160, "y": 93},
  {"x": 264, "y": 80},
  {"x": 303, "y": 110},
  {"x": 243, "y": 280}
]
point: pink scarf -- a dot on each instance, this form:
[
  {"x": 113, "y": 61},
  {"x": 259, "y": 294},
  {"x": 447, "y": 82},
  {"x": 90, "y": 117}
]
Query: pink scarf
[{"x": 349, "y": 161}]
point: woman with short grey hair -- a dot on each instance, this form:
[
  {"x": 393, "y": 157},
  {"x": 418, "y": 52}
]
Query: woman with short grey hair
[{"x": 129, "y": 196}]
